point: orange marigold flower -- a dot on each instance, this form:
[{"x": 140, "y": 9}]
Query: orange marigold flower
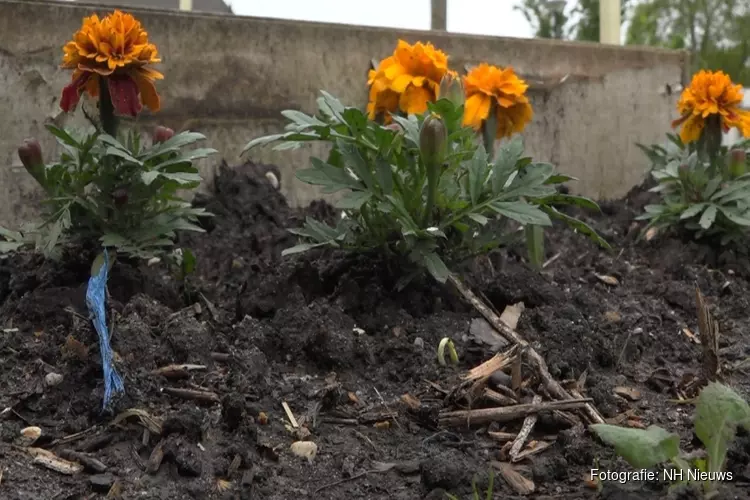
[
  {"x": 487, "y": 86},
  {"x": 115, "y": 48},
  {"x": 711, "y": 93},
  {"x": 407, "y": 80}
]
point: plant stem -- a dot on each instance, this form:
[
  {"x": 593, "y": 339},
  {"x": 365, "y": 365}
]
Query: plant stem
[
  {"x": 431, "y": 195},
  {"x": 106, "y": 109},
  {"x": 489, "y": 131}
]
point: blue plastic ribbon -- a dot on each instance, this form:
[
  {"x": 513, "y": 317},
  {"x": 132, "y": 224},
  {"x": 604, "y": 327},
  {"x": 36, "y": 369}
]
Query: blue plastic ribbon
[{"x": 96, "y": 297}]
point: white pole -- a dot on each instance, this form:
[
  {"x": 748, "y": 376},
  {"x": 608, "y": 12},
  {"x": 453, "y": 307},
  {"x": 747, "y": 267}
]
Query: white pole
[
  {"x": 186, "y": 4},
  {"x": 609, "y": 22}
]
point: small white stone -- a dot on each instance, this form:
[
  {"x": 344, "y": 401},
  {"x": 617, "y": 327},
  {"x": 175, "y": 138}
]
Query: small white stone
[
  {"x": 419, "y": 342},
  {"x": 52, "y": 379}
]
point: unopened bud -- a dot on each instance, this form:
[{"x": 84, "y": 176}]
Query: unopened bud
[
  {"x": 30, "y": 153},
  {"x": 162, "y": 134},
  {"x": 120, "y": 197},
  {"x": 432, "y": 140},
  {"x": 452, "y": 89},
  {"x": 737, "y": 162}
]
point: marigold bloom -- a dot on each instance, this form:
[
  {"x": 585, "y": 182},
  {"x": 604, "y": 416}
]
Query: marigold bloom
[
  {"x": 116, "y": 48},
  {"x": 487, "y": 86},
  {"x": 407, "y": 80},
  {"x": 711, "y": 93}
]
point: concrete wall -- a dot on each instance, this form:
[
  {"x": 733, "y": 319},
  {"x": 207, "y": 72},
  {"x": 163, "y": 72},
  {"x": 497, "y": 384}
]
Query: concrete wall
[{"x": 229, "y": 77}]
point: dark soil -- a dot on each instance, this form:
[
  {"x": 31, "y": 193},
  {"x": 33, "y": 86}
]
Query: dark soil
[{"x": 328, "y": 335}]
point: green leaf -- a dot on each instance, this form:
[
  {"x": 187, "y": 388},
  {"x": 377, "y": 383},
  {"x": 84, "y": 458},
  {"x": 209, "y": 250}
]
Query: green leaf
[
  {"x": 693, "y": 210},
  {"x": 478, "y": 218},
  {"x": 641, "y": 448},
  {"x": 719, "y": 410},
  {"x": 711, "y": 187},
  {"x": 354, "y": 200},
  {"x": 385, "y": 175},
  {"x": 332, "y": 106},
  {"x": 353, "y": 159},
  {"x": 578, "y": 225},
  {"x": 111, "y": 151},
  {"x": 734, "y": 216},
  {"x": 435, "y": 266},
  {"x": 182, "y": 177},
  {"x": 708, "y": 217},
  {"x": 477, "y": 174},
  {"x": 410, "y": 126},
  {"x": 325, "y": 174},
  {"x": 63, "y": 136},
  {"x": 300, "y": 118},
  {"x": 505, "y": 162},
  {"x": 148, "y": 177},
  {"x": 188, "y": 261},
  {"x": 261, "y": 141},
  {"x": 522, "y": 212},
  {"x": 302, "y": 247},
  {"x": 569, "y": 199}
]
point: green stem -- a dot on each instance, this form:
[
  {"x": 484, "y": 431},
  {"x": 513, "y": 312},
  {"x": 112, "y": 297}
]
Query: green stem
[
  {"x": 432, "y": 181},
  {"x": 489, "y": 132},
  {"x": 106, "y": 109}
]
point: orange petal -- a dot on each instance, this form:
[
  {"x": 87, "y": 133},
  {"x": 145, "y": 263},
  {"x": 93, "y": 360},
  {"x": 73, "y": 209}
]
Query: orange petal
[
  {"x": 691, "y": 129},
  {"x": 149, "y": 97},
  {"x": 476, "y": 110},
  {"x": 415, "y": 99}
]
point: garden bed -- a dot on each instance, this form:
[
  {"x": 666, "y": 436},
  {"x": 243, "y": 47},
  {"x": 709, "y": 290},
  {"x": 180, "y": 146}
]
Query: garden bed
[{"x": 327, "y": 335}]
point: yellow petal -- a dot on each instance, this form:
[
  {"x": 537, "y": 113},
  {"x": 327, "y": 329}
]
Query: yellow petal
[{"x": 476, "y": 110}]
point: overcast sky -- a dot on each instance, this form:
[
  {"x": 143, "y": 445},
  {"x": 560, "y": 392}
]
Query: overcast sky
[{"x": 482, "y": 17}]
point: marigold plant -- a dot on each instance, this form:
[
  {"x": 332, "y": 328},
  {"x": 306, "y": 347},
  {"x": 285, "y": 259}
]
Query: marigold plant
[
  {"x": 407, "y": 80},
  {"x": 422, "y": 188},
  {"x": 118, "y": 189},
  {"x": 704, "y": 186}
]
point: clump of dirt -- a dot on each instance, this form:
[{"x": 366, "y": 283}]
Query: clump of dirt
[{"x": 328, "y": 334}]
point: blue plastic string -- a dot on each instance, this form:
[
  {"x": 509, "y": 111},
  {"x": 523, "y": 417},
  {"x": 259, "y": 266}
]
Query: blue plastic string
[{"x": 96, "y": 297}]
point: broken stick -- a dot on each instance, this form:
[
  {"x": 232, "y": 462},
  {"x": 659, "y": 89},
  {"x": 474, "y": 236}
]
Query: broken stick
[
  {"x": 551, "y": 385},
  {"x": 506, "y": 413}
]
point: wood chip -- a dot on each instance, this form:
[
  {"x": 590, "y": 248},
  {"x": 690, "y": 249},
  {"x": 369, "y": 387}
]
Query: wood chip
[
  {"x": 516, "y": 481},
  {"x": 502, "y": 437},
  {"x": 289, "y": 414},
  {"x": 629, "y": 393},
  {"x": 505, "y": 414},
  {"x": 708, "y": 329},
  {"x": 155, "y": 459},
  {"x": 691, "y": 336},
  {"x": 533, "y": 448},
  {"x": 607, "y": 280},
  {"x": 144, "y": 418},
  {"x": 411, "y": 402},
  {"x": 528, "y": 424},
  {"x": 495, "y": 363},
  {"x": 651, "y": 233},
  {"x": 511, "y": 314},
  {"x": 51, "y": 461}
]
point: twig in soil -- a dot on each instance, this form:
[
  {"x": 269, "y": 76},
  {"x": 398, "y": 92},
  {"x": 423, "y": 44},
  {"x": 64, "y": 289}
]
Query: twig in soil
[
  {"x": 502, "y": 437},
  {"x": 90, "y": 463},
  {"x": 177, "y": 371},
  {"x": 191, "y": 394},
  {"x": 51, "y": 461},
  {"x": 552, "y": 259},
  {"x": 290, "y": 415},
  {"x": 506, "y": 413},
  {"x": 146, "y": 420},
  {"x": 495, "y": 363},
  {"x": 221, "y": 356},
  {"x": 339, "y": 421},
  {"x": 74, "y": 437},
  {"x": 528, "y": 424},
  {"x": 137, "y": 457},
  {"x": 345, "y": 480},
  {"x": 392, "y": 414},
  {"x": 365, "y": 439},
  {"x": 498, "y": 398},
  {"x": 551, "y": 385}
]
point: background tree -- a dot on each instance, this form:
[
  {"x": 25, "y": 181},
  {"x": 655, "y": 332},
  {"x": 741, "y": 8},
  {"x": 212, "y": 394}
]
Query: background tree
[
  {"x": 716, "y": 32},
  {"x": 547, "y": 17}
]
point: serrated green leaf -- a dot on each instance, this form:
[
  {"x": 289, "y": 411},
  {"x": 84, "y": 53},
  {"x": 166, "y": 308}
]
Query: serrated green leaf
[
  {"x": 63, "y": 136},
  {"x": 569, "y": 199},
  {"x": 324, "y": 174},
  {"x": 478, "y": 218},
  {"x": 261, "y": 141},
  {"x": 354, "y": 200},
  {"x": 182, "y": 177},
  {"x": 353, "y": 159},
  {"x": 577, "y": 225},
  {"x": 708, "y": 217},
  {"x": 112, "y": 151},
  {"x": 302, "y": 247},
  {"x": 734, "y": 216},
  {"x": 505, "y": 162},
  {"x": 519, "y": 211},
  {"x": 300, "y": 118},
  {"x": 641, "y": 448},
  {"x": 385, "y": 175},
  {"x": 148, "y": 177}
]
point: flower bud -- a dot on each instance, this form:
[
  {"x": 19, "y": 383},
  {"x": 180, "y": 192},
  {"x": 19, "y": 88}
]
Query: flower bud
[
  {"x": 452, "y": 89},
  {"x": 30, "y": 153},
  {"x": 120, "y": 197},
  {"x": 432, "y": 140},
  {"x": 737, "y": 162},
  {"x": 162, "y": 134}
]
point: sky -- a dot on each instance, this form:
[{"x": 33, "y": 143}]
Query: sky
[{"x": 480, "y": 17}]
